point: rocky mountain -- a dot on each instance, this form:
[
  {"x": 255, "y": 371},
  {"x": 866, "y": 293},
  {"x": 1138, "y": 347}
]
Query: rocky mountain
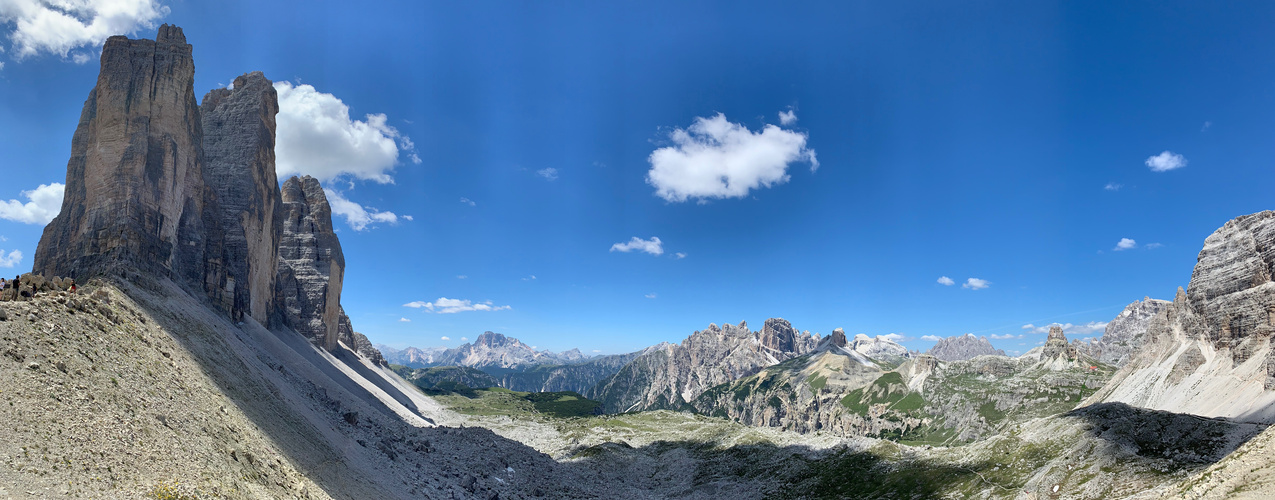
[
  {"x": 1209, "y": 352},
  {"x": 137, "y": 196},
  {"x": 494, "y": 353},
  {"x": 411, "y": 357},
  {"x": 962, "y": 347},
  {"x": 311, "y": 264},
  {"x": 671, "y": 376},
  {"x": 1124, "y": 334},
  {"x": 576, "y": 376},
  {"x": 878, "y": 348},
  {"x": 238, "y": 142}
]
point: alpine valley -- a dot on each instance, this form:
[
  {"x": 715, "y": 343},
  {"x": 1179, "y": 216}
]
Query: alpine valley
[{"x": 206, "y": 353}]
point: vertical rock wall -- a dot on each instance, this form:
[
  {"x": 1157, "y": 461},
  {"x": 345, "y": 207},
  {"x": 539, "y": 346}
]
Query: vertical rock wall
[
  {"x": 239, "y": 162},
  {"x": 311, "y": 266},
  {"x": 135, "y": 190}
]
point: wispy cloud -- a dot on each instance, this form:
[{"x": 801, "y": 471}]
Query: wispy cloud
[
  {"x": 1166, "y": 161},
  {"x": 946, "y": 281},
  {"x": 404, "y": 320},
  {"x": 787, "y": 118},
  {"x": 357, "y": 216},
  {"x": 715, "y": 158},
  {"x": 8, "y": 261},
  {"x": 679, "y": 255},
  {"x": 468, "y": 201},
  {"x": 976, "y": 284},
  {"x": 1207, "y": 125},
  {"x": 548, "y": 173},
  {"x": 650, "y": 295},
  {"x": 652, "y": 246},
  {"x": 931, "y": 338},
  {"x": 531, "y": 277},
  {"x": 445, "y": 305},
  {"x": 1153, "y": 246},
  {"x": 1125, "y": 244},
  {"x": 43, "y": 204},
  {"x": 1111, "y": 186},
  {"x": 461, "y": 277},
  {"x": 1068, "y": 328},
  {"x": 1006, "y": 336}
]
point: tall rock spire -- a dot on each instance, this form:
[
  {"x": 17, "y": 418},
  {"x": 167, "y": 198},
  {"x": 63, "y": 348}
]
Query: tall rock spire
[
  {"x": 135, "y": 190},
  {"x": 311, "y": 265},
  {"x": 239, "y": 162}
]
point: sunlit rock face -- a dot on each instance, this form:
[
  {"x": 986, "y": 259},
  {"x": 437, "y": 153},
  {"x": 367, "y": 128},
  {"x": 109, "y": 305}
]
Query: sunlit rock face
[
  {"x": 239, "y": 162},
  {"x": 1209, "y": 352},
  {"x": 1124, "y": 334},
  {"x": 136, "y": 196},
  {"x": 311, "y": 266},
  {"x": 963, "y": 347}
]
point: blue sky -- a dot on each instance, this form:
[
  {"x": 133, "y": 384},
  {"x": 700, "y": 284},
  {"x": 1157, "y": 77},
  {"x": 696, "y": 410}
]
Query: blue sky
[{"x": 1016, "y": 143}]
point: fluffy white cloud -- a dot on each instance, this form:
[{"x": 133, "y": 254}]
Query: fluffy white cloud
[
  {"x": 946, "y": 281},
  {"x": 445, "y": 305},
  {"x": 356, "y": 215},
  {"x": 714, "y": 158},
  {"x": 468, "y": 201},
  {"x": 931, "y": 338},
  {"x": 652, "y": 246},
  {"x": 404, "y": 320},
  {"x": 44, "y": 204},
  {"x": 14, "y": 258},
  {"x": 1166, "y": 161},
  {"x": 1006, "y": 336},
  {"x": 548, "y": 173},
  {"x": 894, "y": 337},
  {"x": 976, "y": 284},
  {"x": 464, "y": 339},
  {"x": 1068, "y": 328},
  {"x": 1125, "y": 244},
  {"x": 1111, "y": 186},
  {"x": 60, "y": 26},
  {"x": 787, "y": 118},
  {"x": 445, "y": 338},
  {"x": 315, "y": 136},
  {"x": 650, "y": 295}
]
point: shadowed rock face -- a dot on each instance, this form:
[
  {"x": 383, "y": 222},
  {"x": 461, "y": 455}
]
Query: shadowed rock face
[
  {"x": 135, "y": 189},
  {"x": 239, "y": 162},
  {"x": 962, "y": 347},
  {"x": 311, "y": 265},
  {"x": 778, "y": 334}
]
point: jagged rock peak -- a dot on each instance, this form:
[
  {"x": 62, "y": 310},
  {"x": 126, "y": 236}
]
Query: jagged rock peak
[
  {"x": 239, "y": 159},
  {"x": 1056, "y": 333},
  {"x": 136, "y": 196},
  {"x": 1125, "y": 333},
  {"x": 778, "y": 334},
  {"x": 311, "y": 265},
  {"x": 838, "y": 337},
  {"x": 493, "y": 340},
  {"x": 962, "y": 347}
]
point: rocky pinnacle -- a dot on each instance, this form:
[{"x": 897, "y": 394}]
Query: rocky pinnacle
[{"x": 311, "y": 265}]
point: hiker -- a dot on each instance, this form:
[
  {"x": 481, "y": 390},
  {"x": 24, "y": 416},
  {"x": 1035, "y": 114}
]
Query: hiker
[
  {"x": 72, "y": 285},
  {"x": 4, "y": 292}
]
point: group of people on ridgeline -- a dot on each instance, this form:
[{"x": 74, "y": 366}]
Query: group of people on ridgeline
[{"x": 15, "y": 289}]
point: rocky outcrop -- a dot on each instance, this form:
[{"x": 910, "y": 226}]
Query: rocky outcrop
[
  {"x": 1209, "y": 352},
  {"x": 136, "y": 195},
  {"x": 962, "y": 347},
  {"x": 411, "y": 357},
  {"x": 1124, "y": 334},
  {"x": 495, "y": 351},
  {"x": 778, "y": 335},
  {"x": 879, "y": 348},
  {"x": 311, "y": 266},
  {"x": 670, "y": 376},
  {"x": 239, "y": 162}
]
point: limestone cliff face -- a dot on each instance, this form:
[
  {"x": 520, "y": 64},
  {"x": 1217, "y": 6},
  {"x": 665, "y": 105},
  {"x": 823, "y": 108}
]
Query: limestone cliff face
[
  {"x": 136, "y": 196},
  {"x": 311, "y": 266},
  {"x": 962, "y": 347},
  {"x": 1209, "y": 352},
  {"x": 239, "y": 162},
  {"x": 670, "y": 376},
  {"x": 1124, "y": 334}
]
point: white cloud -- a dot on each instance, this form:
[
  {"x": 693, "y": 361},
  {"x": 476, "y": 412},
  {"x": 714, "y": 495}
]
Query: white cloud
[
  {"x": 548, "y": 173},
  {"x": 894, "y": 337},
  {"x": 464, "y": 339},
  {"x": 1152, "y": 246},
  {"x": 976, "y": 284},
  {"x": 45, "y": 203},
  {"x": 357, "y": 216},
  {"x": 1166, "y": 161},
  {"x": 931, "y": 338},
  {"x": 445, "y": 305},
  {"x": 946, "y": 281},
  {"x": 650, "y": 295},
  {"x": 1125, "y": 244},
  {"x": 445, "y": 338},
  {"x": 14, "y": 258},
  {"x": 1111, "y": 186},
  {"x": 60, "y": 26},
  {"x": 530, "y": 278},
  {"x": 468, "y": 201},
  {"x": 461, "y": 277},
  {"x": 787, "y": 118},
  {"x": 597, "y": 350},
  {"x": 315, "y": 136},
  {"x": 652, "y": 246},
  {"x": 1006, "y": 336},
  {"x": 679, "y": 255},
  {"x": 1068, "y": 328},
  {"x": 1206, "y": 126},
  {"x": 1, "y": 65},
  {"x": 404, "y": 320},
  {"x": 714, "y": 158}
]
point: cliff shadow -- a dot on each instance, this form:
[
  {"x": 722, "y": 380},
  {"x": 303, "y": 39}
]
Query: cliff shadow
[{"x": 1176, "y": 441}]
